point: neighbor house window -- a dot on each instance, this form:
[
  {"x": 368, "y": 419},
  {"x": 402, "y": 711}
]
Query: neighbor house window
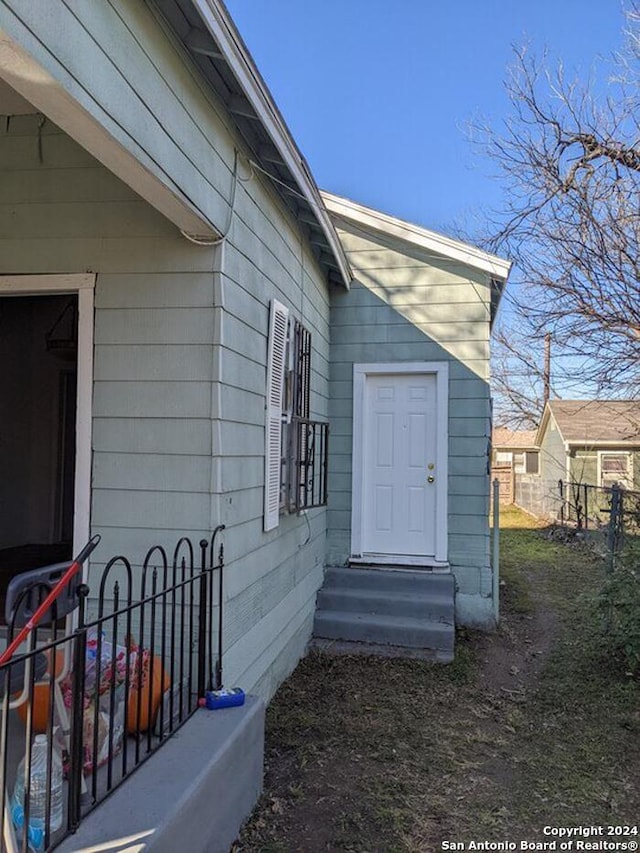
[
  {"x": 532, "y": 462},
  {"x": 616, "y": 468},
  {"x": 518, "y": 463},
  {"x": 296, "y": 446}
]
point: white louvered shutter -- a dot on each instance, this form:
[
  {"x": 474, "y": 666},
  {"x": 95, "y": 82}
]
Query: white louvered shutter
[{"x": 273, "y": 433}]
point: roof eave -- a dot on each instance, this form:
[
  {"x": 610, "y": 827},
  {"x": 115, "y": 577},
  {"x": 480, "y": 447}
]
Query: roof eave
[
  {"x": 544, "y": 420},
  {"x": 497, "y": 291},
  {"x": 220, "y": 26},
  {"x": 456, "y": 250},
  {"x": 596, "y": 442}
]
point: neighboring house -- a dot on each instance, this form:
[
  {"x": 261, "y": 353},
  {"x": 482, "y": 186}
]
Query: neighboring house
[
  {"x": 596, "y": 442},
  {"x": 590, "y": 441},
  {"x": 514, "y": 452},
  {"x": 182, "y": 313}
]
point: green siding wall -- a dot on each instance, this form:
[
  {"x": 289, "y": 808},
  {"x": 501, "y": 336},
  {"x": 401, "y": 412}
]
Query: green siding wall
[
  {"x": 117, "y": 61},
  {"x": 272, "y": 577},
  {"x": 583, "y": 467},
  {"x": 179, "y": 390},
  {"x": 584, "y": 464},
  {"x": 410, "y": 306},
  {"x": 553, "y": 466}
]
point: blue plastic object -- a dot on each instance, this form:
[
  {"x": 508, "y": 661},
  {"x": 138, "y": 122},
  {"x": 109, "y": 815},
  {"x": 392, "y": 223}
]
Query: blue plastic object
[{"x": 225, "y": 698}]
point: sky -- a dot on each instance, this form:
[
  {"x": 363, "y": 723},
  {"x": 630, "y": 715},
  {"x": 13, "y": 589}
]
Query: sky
[{"x": 379, "y": 95}]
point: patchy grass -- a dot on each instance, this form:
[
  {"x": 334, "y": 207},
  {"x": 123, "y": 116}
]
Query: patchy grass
[
  {"x": 523, "y": 548},
  {"x": 528, "y": 727}
]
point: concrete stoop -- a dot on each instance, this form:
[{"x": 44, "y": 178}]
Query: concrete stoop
[
  {"x": 193, "y": 794},
  {"x": 391, "y": 612}
]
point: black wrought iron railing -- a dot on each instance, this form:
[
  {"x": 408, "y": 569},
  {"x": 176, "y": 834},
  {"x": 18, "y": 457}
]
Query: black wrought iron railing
[
  {"x": 107, "y": 692},
  {"x": 310, "y": 450}
]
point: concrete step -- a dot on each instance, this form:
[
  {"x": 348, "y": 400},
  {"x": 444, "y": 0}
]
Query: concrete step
[
  {"x": 346, "y": 647},
  {"x": 405, "y": 631},
  {"x": 436, "y": 607},
  {"x": 384, "y": 610},
  {"x": 389, "y": 578}
]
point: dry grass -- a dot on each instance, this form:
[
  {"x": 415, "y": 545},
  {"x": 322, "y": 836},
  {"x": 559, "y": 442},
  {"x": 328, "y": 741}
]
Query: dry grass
[{"x": 528, "y": 727}]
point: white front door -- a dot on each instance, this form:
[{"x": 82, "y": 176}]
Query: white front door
[{"x": 400, "y": 467}]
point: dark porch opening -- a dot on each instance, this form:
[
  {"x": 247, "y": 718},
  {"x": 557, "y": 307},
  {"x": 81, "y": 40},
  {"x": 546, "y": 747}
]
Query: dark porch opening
[{"x": 38, "y": 378}]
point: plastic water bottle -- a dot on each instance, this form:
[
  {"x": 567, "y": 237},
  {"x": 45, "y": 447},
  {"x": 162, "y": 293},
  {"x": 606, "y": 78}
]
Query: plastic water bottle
[{"x": 38, "y": 794}]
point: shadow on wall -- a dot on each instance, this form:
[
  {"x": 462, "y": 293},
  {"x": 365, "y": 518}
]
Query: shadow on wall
[{"x": 408, "y": 306}]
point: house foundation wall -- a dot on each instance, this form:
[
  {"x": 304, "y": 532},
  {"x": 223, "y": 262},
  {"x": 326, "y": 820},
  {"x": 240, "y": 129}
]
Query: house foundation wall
[{"x": 185, "y": 797}]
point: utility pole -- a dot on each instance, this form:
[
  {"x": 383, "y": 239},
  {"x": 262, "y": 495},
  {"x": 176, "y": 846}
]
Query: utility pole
[{"x": 547, "y": 368}]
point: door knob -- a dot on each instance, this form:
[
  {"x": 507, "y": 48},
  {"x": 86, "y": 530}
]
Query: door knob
[{"x": 430, "y": 478}]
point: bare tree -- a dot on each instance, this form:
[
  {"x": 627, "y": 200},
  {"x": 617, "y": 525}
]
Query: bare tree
[
  {"x": 517, "y": 380},
  {"x": 570, "y": 162}
]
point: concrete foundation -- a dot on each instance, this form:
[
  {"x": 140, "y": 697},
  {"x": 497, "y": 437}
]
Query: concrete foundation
[{"x": 193, "y": 794}]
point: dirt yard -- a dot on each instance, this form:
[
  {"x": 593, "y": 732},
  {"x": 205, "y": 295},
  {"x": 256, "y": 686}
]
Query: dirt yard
[{"x": 530, "y": 727}]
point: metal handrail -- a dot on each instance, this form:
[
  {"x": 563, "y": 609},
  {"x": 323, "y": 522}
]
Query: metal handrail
[{"x": 123, "y": 699}]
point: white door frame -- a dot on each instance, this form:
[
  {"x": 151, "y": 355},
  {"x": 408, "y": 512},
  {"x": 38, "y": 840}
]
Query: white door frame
[
  {"x": 439, "y": 369},
  {"x": 82, "y": 284}
]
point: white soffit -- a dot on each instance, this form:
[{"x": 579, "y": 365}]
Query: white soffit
[
  {"x": 221, "y": 27},
  {"x": 57, "y": 99}
]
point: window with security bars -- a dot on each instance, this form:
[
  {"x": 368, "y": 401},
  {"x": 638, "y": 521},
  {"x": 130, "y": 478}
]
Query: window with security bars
[{"x": 296, "y": 446}]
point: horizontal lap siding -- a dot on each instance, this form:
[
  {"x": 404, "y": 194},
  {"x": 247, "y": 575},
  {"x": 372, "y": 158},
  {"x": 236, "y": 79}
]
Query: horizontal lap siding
[
  {"x": 553, "y": 467},
  {"x": 180, "y": 352},
  {"x": 153, "y": 338},
  {"x": 408, "y": 305},
  {"x": 272, "y": 578},
  {"x": 116, "y": 60}
]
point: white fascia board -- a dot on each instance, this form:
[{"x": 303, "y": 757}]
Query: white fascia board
[
  {"x": 221, "y": 27},
  {"x": 56, "y": 99},
  {"x": 624, "y": 443},
  {"x": 546, "y": 414},
  {"x": 497, "y": 267}
]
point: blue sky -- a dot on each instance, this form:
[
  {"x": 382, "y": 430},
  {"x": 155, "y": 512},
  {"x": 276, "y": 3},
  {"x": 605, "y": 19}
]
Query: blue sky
[{"x": 378, "y": 94}]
